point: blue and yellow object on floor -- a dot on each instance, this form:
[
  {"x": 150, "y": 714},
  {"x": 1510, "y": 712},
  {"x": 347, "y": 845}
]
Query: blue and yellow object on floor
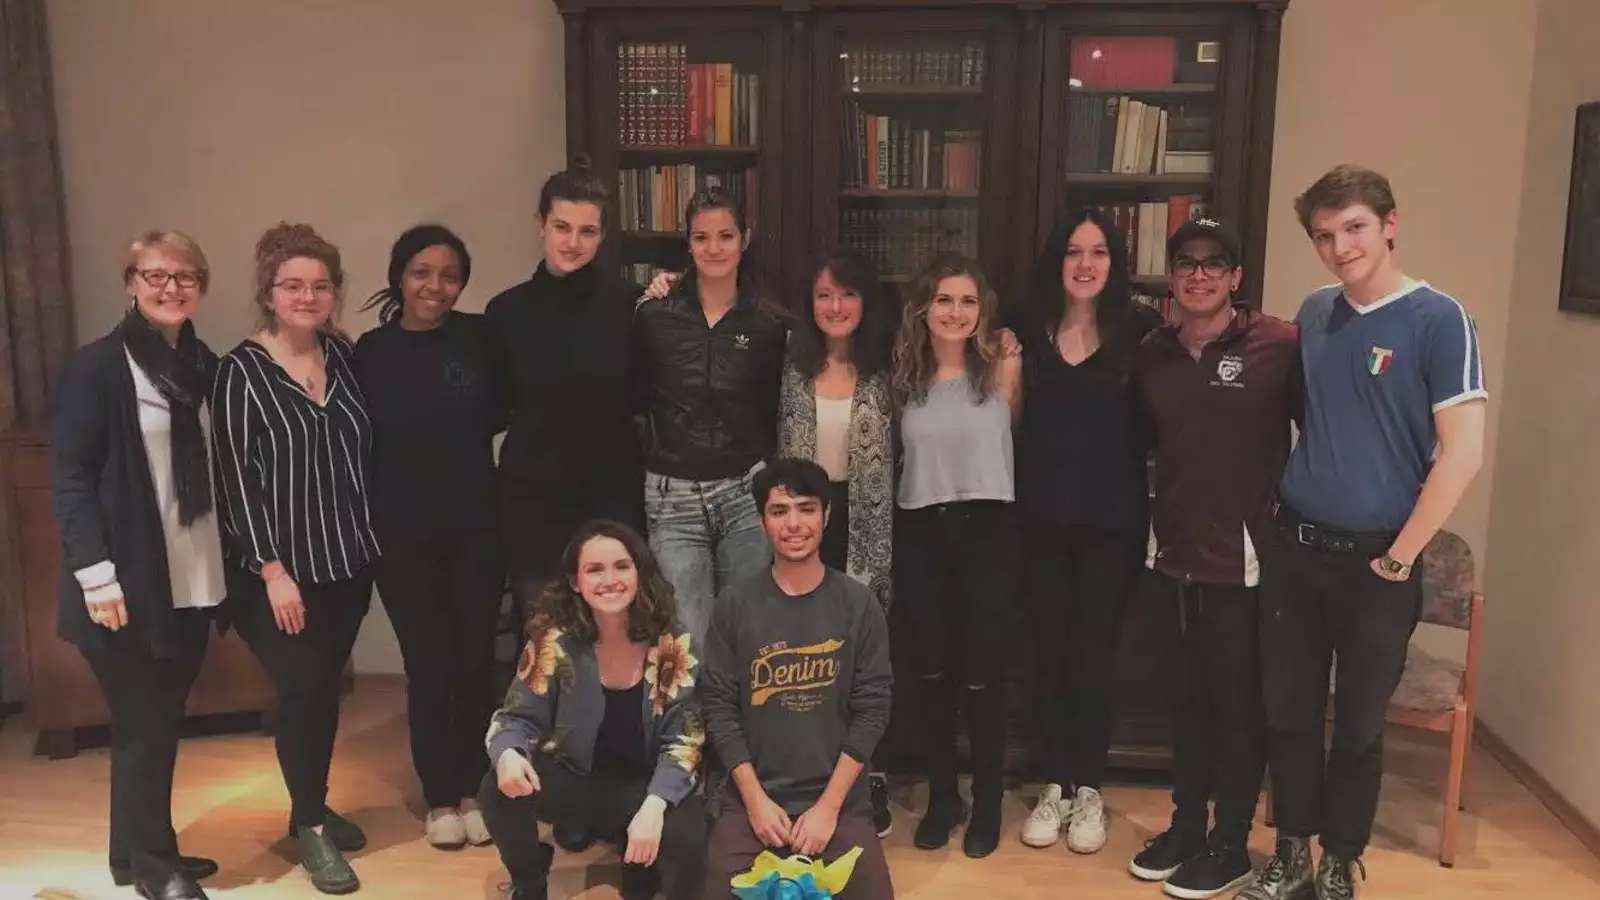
[{"x": 794, "y": 877}]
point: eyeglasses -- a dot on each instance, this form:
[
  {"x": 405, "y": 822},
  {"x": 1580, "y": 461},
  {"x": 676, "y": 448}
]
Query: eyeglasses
[
  {"x": 294, "y": 287},
  {"x": 1213, "y": 266},
  {"x": 158, "y": 278}
]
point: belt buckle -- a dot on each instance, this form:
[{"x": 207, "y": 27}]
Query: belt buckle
[{"x": 1306, "y": 533}]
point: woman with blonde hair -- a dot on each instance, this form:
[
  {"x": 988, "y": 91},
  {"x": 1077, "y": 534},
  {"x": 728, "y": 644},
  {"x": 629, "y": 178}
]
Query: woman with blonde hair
[
  {"x": 141, "y": 557},
  {"x": 293, "y": 444},
  {"x": 958, "y": 389}
]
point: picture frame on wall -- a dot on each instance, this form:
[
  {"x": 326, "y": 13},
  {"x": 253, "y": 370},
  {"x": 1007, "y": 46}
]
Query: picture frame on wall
[{"x": 1580, "y": 263}]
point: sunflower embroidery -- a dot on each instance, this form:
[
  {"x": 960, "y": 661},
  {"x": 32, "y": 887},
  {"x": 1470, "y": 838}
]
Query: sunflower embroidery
[
  {"x": 669, "y": 670},
  {"x": 541, "y": 657},
  {"x": 685, "y": 751}
]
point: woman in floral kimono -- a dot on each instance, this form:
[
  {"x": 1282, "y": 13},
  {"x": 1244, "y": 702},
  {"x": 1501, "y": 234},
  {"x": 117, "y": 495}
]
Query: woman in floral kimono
[{"x": 599, "y": 729}]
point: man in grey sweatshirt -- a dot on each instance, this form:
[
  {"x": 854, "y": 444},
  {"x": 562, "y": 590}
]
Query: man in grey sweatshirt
[{"x": 795, "y": 695}]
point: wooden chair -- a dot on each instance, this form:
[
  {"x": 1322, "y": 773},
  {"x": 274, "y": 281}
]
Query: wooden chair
[{"x": 1440, "y": 694}]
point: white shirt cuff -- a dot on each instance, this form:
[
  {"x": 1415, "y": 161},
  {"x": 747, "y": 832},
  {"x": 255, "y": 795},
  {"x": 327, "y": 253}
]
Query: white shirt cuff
[{"x": 101, "y": 573}]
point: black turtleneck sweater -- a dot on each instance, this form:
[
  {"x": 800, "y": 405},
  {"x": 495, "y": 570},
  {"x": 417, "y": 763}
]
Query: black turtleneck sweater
[{"x": 561, "y": 352}]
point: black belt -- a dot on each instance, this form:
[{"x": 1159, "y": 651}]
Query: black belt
[{"x": 1299, "y": 530}]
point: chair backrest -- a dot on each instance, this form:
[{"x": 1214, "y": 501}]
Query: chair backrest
[{"x": 1447, "y": 581}]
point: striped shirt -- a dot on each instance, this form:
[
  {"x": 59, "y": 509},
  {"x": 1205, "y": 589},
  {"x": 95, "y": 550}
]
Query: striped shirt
[{"x": 293, "y": 473}]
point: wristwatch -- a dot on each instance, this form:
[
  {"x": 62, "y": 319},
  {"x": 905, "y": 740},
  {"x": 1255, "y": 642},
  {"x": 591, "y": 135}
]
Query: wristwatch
[{"x": 1394, "y": 567}]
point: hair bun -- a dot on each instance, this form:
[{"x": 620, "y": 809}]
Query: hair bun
[
  {"x": 582, "y": 164},
  {"x": 285, "y": 235}
]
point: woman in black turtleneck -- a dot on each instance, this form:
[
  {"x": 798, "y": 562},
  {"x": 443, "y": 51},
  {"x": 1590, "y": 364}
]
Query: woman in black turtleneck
[
  {"x": 560, "y": 342},
  {"x": 426, "y": 374}
]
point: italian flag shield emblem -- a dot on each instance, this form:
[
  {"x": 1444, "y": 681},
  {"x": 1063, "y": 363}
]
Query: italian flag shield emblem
[{"x": 1378, "y": 360}]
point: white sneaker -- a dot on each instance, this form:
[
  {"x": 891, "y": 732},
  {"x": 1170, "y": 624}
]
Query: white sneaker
[
  {"x": 476, "y": 829},
  {"x": 1043, "y": 826},
  {"x": 445, "y": 830},
  {"x": 1086, "y": 822}
]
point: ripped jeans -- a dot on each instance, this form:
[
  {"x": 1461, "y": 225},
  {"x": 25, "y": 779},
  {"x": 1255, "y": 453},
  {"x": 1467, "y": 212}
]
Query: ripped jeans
[{"x": 957, "y": 582}]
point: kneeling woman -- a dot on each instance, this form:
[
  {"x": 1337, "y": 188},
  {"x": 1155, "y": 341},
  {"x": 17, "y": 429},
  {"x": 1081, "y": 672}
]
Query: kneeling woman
[{"x": 599, "y": 730}]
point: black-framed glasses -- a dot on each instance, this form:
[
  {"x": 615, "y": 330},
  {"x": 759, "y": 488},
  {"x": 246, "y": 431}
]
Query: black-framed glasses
[
  {"x": 158, "y": 278},
  {"x": 1213, "y": 266},
  {"x": 295, "y": 287}
]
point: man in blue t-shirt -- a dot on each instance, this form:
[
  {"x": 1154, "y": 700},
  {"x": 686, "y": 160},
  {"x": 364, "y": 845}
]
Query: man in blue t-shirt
[{"x": 1393, "y": 434}]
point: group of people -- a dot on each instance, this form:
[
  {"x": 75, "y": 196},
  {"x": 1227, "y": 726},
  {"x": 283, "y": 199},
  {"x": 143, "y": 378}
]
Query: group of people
[{"x": 793, "y": 472}]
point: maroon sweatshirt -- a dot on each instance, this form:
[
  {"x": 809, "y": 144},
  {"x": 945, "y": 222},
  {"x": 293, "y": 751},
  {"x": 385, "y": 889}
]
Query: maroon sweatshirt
[{"x": 1221, "y": 436}]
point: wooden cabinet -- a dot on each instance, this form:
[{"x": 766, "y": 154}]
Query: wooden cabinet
[
  {"x": 902, "y": 128},
  {"x": 63, "y": 694}
]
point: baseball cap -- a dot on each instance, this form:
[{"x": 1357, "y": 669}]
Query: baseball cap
[{"x": 1209, "y": 229}]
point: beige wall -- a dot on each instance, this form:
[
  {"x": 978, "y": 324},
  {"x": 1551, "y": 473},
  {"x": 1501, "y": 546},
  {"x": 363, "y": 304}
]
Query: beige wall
[
  {"x": 1542, "y": 662},
  {"x": 360, "y": 116}
]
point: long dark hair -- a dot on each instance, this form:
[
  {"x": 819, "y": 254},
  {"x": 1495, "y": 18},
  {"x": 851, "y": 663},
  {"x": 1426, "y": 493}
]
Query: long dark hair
[
  {"x": 650, "y": 614},
  {"x": 874, "y": 336},
  {"x": 1115, "y": 316},
  {"x": 390, "y": 299}
]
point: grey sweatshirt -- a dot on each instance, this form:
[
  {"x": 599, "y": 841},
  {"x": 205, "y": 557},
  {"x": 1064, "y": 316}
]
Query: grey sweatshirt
[{"x": 791, "y": 682}]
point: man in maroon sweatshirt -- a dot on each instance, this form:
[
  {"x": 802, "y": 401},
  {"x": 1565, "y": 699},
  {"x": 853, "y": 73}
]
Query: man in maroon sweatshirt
[{"x": 1219, "y": 387}]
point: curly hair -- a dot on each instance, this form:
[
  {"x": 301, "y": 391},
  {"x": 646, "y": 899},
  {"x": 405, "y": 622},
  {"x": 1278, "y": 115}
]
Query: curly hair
[
  {"x": 281, "y": 243},
  {"x": 914, "y": 364},
  {"x": 652, "y": 611}
]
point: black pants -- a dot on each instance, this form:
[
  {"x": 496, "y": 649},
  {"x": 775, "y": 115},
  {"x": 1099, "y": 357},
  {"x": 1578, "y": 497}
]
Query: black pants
[
  {"x": 600, "y": 804},
  {"x": 1318, "y": 607},
  {"x": 1218, "y": 733},
  {"x": 537, "y": 521},
  {"x": 956, "y": 583},
  {"x": 306, "y": 670},
  {"x": 443, "y": 597},
  {"x": 835, "y": 547},
  {"x": 1080, "y": 579},
  {"x": 733, "y": 849},
  {"x": 146, "y": 697}
]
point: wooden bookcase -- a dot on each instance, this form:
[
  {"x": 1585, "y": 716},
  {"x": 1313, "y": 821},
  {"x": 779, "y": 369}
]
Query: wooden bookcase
[{"x": 1000, "y": 115}]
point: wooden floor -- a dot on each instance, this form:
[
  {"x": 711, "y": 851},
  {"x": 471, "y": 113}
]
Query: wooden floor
[{"x": 230, "y": 804}]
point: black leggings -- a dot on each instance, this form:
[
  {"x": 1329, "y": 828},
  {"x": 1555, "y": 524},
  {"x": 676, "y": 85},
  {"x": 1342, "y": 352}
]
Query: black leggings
[
  {"x": 955, "y": 580},
  {"x": 443, "y": 597},
  {"x": 601, "y": 804},
  {"x": 306, "y": 669},
  {"x": 1080, "y": 580}
]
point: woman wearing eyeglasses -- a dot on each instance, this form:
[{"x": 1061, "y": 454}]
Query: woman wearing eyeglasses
[
  {"x": 293, "y": 444},
  {"x": 141, "y": 559}
]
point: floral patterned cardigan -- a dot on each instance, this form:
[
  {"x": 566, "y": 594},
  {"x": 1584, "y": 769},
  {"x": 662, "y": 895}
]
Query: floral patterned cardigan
[{"x": 555, "y": 704}]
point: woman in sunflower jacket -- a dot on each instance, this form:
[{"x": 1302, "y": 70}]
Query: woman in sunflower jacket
[{"x": 600, "y": 729}]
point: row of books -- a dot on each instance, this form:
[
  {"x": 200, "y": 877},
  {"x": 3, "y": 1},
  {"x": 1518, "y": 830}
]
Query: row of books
[
  {"x": 948, "y": 67},
  {"x": 653, "y": 198},
  {"x": 1146, "y": 226},
  {"x": 884, "y": 152},
  {"x": 900, "y": 241},
  {"x": 662, "y": 98},
  {"x": 1124, "y": 62},
  {"x": 1123, "y": 135}
]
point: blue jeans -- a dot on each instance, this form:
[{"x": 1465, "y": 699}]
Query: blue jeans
[{"x": 705, "y": 535}]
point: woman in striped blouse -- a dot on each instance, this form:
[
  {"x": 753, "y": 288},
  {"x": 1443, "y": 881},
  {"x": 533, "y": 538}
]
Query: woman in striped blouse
[{"x": 293, "y": 442}]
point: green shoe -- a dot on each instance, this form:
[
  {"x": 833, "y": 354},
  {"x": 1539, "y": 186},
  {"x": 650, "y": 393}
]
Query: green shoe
[
  {"x": 329, "y": 871},
  {"x": 345, "y": 834}
]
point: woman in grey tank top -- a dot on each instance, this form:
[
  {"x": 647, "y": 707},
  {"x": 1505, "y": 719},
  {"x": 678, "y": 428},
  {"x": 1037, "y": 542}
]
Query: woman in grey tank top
[{"x": 958, "y": 392}]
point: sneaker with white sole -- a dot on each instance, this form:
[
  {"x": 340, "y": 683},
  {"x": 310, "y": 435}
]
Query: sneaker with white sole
[
  {"x": 1086, "y": 821},
  {"x": 1043, "y": 826},
  {"x": 445, "y": 830}
]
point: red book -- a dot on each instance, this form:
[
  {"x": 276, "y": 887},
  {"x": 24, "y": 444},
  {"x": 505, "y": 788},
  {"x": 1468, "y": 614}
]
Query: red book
[
  {"x": 1124, "y": 62},
  {"x": 691, "y": 105},
  {"x": 872, "y": 152},
  {"x": 1177, "y": 211},
  {"x": 708, "y": 104}
]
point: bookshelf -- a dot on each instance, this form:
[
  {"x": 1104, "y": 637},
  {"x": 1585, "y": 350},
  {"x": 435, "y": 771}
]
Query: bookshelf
[{"x": 1014, "y": 88}]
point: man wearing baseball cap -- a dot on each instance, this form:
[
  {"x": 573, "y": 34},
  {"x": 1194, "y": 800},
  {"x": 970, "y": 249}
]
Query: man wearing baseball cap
[
  {"x": 1392, "y": 436},
  {"x": 1220, "y": 387}
]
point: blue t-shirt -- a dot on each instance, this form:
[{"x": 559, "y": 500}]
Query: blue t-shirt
[{"x": 1374, "y": 377}]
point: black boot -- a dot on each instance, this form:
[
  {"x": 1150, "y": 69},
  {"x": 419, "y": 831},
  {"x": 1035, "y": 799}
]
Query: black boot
[
  {"x": 176, "y": 886},
  {"x": 939, "y": 742},
  {"x": 944, "y": 815},
  {"x": 639, "y": 882},
  {"x": 533, "y": 883},
  {"x": 986, "y": 733},
  {"x": 196, "y": 867}
]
